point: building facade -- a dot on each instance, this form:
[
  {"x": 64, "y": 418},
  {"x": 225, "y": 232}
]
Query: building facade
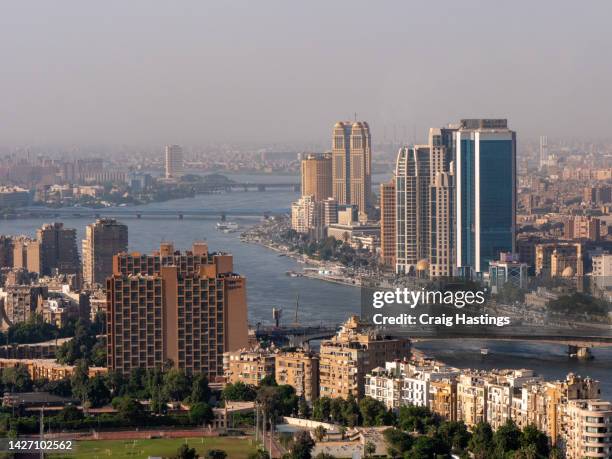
[
  {"x": 103, "y": 239},
  {"x": 352, "y": 164},
  {"x": 485, "y": 155},
  {"x": 387, "y": 224},
  {"x": 174, "y": 161},
  {"x": 317, "y": 176},
  {"x": 183, "y": 308}
]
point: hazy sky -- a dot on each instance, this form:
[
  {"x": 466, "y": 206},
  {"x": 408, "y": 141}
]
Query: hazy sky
[{"x": 155, "y": 72}]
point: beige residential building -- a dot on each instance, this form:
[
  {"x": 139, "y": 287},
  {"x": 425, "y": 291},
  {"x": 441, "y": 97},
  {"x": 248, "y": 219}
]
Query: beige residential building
[
  {"x": 103, "y": 239},
  {"x": 299, "y": 369},
  {"x": 443, "y": 398},
  {"x": 587, "y": 429},
  {"x": 471, "y": 399},
  {"x": 26, "y": 254},
  {"x": 387, "y": 224},
  {"x": 317, "y": 176},
  {"x": 305, "y": 215},
  {"x": 249, "y": 366},
  {"x": 188, "y": 308},
  {"x": 346, "y": 358},
  {"x": 48, "y": 368}
]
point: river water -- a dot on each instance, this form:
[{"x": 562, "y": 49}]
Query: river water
[{"x": 268, "y": 285}]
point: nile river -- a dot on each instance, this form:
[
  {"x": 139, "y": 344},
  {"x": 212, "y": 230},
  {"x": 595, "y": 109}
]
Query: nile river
[{"x": 268, "y": 285}]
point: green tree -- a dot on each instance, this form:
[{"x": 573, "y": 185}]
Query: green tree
[
  {"x": 350, "y": 411},
  {"x": 128, "y": 409},
  {"x": 481, "y": 443},
  {"x": 397, "y": 440},
  {"x": 239, "y": 392},
  {"x": 507, "y": 438},
  {"x": 259, "y": 454},
  {"x": 303, "y": 408},
  {"x": 371, "y": 411},
  {"x": 302, "y": 446},
  {"x": 215, "y": 454},
  {"x": 532, "y": 436},
  {"x": 97, "y": 393},
  {"x": 69, "y": 413},
  {"x": 200, "y": 391},
  {"x": 176, "y": 384},
  {"x": 321, "y": 409},
  {"x": 185, "y": 452},
  {"x": 200, "y": 413},
  {"x": 16, "y": 379},
  {"x": 416, "y": 418},
  {"x": 80, "y": 380},
  {"x": 455, "y": 434}
]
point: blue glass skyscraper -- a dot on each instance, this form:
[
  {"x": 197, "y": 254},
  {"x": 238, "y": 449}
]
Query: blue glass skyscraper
[{"x": 485, "y": 161}]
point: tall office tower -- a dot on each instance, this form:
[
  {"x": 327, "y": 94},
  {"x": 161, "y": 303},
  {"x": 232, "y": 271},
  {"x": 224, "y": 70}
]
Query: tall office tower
[
  {"x": 441, "y": 205},
  {"x": 352, "y": 164},
  {"x": 6, "y": 251},
  {"x": 58, "y": 249},
  {"x": 103, "y": 239},
  {"x": 412, "y": 180},
  {"x": 317, "y": 176},
  {"x": 543, "y": 151},
  {"x": 387, "y": 223},
  {"x": 188, "y": 308},
  {"x": 486, "y": 193},
  {"x": 174, "y": 161}
]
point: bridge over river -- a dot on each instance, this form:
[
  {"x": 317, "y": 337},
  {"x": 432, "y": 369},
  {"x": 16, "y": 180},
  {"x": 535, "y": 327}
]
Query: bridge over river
[
  {"x": 579, "y": 344},
  {"x": 143, "y": 212}
]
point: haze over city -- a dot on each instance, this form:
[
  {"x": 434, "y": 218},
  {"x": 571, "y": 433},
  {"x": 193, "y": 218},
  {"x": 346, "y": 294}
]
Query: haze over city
[{"x": 147, "y": 73}]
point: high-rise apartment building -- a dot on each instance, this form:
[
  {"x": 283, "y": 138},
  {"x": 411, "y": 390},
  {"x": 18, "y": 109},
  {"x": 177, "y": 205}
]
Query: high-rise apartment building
[
  {"x": 26, "y": 254},
  {"x": 6, "y": 251},
  {"x": 103, "y": 239},
  {"x": 485, "y": 163},
  {"x": 188, "y": 308},
  {"x": 346, "y": 358},
  {"x": 300, "y": 370},
  {"x": 412, "y": 183},
  {"x": 58, "y": 249},
  {"x": 441, "y": 260},
  {"x": 352, "y": 164},
  {"x": 174, "y": 161},
  {"x": 305, "y": 214},
  {"x": 317, "y": 176},
  {"x": 387, "y": 224}
]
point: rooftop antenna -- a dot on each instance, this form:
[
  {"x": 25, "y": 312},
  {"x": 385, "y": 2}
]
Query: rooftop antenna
[{"x": 355, "y": 116}]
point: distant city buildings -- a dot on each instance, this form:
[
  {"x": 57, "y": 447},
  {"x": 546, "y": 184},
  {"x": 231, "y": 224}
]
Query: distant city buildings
[
  {"x": 103, "y": 239},
  {"x": 174, "y": 161},
  {"x": 184, "y": 308}
]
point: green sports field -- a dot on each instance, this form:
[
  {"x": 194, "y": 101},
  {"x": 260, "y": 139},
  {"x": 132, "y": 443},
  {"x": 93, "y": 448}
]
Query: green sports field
[{"x": 236, "y": 448}]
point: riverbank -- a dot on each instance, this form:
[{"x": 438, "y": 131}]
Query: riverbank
[{"x": 313, "y": 268}]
